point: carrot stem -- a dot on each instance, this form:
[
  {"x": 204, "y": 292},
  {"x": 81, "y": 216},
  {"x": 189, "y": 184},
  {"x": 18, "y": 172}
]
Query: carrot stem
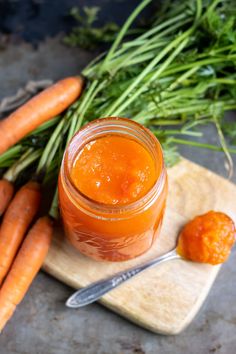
[
  {"x": 180, "y": 42},
  {"x": 11, "y": 155},
  {"x": 43, "y": 163},
  {"x": 26, "y": 160},
  {"x": 123, "y": 30},
  {"x": 54, "y": 212},
  {"x": 200, "y": 145}
]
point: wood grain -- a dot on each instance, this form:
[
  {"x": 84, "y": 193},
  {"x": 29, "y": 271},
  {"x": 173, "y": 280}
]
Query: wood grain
[{"x": 166, "y": 298}]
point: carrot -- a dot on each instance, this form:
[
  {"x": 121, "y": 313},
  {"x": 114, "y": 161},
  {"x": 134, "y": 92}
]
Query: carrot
[
  {"x": 6, "y": 194},
  {"x": 25, "y": 267},
  {"x": 41, "y": 108},
  {"x": 16, "y": 220}
]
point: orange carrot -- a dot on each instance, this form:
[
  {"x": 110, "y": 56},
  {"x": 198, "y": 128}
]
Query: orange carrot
[
  {"x": 41, "y": 108},
  {"x": 6, "y": 193},
  {"x": 25, "y": 267},
  {"x": 16, "y": 221}
]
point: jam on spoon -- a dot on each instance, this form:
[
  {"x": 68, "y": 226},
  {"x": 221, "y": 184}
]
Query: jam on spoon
[{"x": 207, "y": 238}]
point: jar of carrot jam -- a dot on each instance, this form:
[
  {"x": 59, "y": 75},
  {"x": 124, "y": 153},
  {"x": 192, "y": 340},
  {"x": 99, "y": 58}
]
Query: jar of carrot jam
[{"x": 112, "y": 189}]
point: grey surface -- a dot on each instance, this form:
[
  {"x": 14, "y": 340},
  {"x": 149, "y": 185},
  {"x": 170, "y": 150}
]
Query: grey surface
[{"x": 43, "y": 325}]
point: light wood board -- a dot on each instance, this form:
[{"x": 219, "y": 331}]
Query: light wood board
[{"x": 166, "y": 298}]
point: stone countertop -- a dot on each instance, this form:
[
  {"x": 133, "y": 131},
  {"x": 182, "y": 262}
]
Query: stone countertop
[{"x": 42, "y": 324}]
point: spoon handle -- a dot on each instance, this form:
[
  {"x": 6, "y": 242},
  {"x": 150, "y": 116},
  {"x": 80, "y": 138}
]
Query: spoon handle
[{"x": 96, "y": 290}]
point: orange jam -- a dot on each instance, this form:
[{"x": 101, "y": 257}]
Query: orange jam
[
  {"x": 114, "y": 170},
  {"x": 208, "y": 238},
  {"x": 112, "y": 189}
]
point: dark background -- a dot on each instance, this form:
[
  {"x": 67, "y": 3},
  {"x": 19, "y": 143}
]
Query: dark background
[{"x": 33, "y": 20}]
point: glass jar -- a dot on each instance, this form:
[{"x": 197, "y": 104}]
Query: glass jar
[{"x": 112, "y": 232}]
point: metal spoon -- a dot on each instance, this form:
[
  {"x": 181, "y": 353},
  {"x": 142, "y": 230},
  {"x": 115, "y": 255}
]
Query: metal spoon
[{"x": 99, "y": 288}]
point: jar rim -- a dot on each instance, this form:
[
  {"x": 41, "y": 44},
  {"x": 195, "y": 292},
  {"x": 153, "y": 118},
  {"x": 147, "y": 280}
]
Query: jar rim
[{"x": 91, "y": 204}]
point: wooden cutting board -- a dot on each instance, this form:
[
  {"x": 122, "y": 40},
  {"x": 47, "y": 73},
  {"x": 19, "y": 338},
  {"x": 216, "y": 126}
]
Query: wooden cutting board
[{"x": 166, "y": 298}]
